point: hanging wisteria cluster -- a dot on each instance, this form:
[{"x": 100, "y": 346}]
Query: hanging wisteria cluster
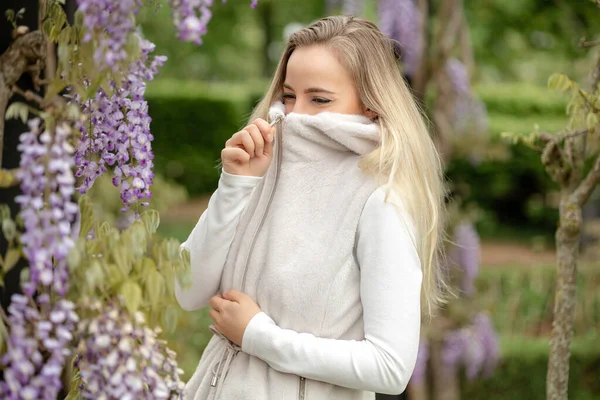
[
  {"x": 470, "y": 114},
  {"x": 475, "y": 347},
  {"x": 38, "y": 344},
  {"x": 401, "y": 21},
  {"x": 38, "y": 347},
  {"x": 466, "y": 255},
  {"x": 41, "y": 331},
  {"x": 191, "y": 18},
  {"x": 46, "y": 204},
  {"x": 109, "y": 24},
  {"x": 119, "y": 357},
  {"x": 118, "y": 132}
]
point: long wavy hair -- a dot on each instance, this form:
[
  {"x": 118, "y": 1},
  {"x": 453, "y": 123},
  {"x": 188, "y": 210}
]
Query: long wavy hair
[{"x": 406, "y": 163}]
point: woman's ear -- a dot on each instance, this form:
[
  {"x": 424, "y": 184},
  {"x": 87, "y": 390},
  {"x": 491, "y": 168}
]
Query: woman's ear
[{"x": 371, "y": 114}]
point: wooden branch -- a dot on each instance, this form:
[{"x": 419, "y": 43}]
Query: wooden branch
[
  {"x": 583, "y": 43},
  {"x": 29, "y": 95},
  {"x": 587, "y": 186},
  {"x": 25, "y": 54},
  {"x": 466, "y": 46},
  {"x": 558, "y": 137},
  {"x": 422, "y": 75}
]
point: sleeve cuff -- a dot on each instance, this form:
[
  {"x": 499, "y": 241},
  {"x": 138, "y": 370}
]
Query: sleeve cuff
[
  {"x": 254, "y": 332},
  {"x": 239, "y": 180}
]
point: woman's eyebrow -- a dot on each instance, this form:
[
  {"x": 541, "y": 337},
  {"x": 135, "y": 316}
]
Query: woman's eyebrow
[{"x": 310, "y": 90}]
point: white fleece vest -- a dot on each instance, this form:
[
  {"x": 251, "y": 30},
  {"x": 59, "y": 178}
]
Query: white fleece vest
[{"x": 293, "y": 253}]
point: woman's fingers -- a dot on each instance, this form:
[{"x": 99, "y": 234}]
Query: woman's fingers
[
  {"x": 257, "y": 138},
  {"x": 235, "y": 154},
  {"x": 266, "y": 129},
  {"x": 214, "y": 315}
]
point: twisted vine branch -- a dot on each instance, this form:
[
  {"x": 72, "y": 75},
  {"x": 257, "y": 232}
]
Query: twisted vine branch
[{"x": 26, "y": 54}]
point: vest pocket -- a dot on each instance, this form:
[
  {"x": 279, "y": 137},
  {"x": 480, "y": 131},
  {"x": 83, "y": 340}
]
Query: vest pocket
[{"x": 302, "y": 388}]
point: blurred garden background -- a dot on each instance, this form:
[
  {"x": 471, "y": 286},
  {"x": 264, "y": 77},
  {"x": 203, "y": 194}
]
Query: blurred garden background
[{"x": 203, "y": 94}]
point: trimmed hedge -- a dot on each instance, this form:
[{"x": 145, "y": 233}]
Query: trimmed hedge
[
  {"x": 521, "y": 99},
  {"x": 191, "y": 122},
  {"x": 521, "y": 373}
]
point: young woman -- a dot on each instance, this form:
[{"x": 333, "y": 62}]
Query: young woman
[{"x": 319, "y": 250}]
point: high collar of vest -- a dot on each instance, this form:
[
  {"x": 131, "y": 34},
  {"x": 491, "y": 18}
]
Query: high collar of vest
[{"x": 313, "y": 136}]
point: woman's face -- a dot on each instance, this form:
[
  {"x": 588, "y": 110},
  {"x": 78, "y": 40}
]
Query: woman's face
[{"x": 316, "y": 82}]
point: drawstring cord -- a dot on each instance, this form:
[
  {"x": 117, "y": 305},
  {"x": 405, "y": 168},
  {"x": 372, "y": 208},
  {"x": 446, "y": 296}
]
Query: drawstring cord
[{"x": 220, "y": 369}]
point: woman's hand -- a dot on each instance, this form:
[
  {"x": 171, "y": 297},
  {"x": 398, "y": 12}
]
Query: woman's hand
[
  {"x": 249, "y": 151},
  {"x": 232, "y": 312}
]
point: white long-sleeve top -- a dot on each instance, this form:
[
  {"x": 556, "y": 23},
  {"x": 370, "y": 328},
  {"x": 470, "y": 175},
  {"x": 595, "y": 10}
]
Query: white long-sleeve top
[{"x": 390, "y": 285}]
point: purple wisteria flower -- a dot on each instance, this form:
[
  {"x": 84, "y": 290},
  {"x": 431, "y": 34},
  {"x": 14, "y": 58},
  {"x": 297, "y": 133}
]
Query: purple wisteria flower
[
  {"x": 353, "y": 7},
  {"x": 118, "y": 134},
  {"x": 470, "y": 113},
  {"x": 108, "y": 23},
  {"x": 191, "y": 18},
  {"x": 475, "y": 347},
  {"x": 47, "y": 209},
  {"x": 120, "y": 357},
  {"x": 401, "y": 21},
  {"x": 420, "y": 371},
  {"x": 37, "y": 347},
  {"x": 467, "y": 255}
]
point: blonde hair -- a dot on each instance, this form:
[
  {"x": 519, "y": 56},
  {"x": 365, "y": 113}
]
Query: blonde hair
[{"x": 406, "y": 163}]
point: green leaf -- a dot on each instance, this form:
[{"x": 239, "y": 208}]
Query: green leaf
[
  {"x": 74, "y": 258},
  {"x": 3, "y": 335},
  {"x": 171, "y": 248},
  {"x": 4, "y": 211},
  {"x": 122, "y": 259},
  {"x": 11, "y": 258},
  {"x": 132, "y": 294},
  {"x": 10, "y": 14},
  {"x": 184, "y": 253},
  {"x": 151, "y": 219},
  {"x": 591, "y": 120},
  {"x": 154, "y": 282},
  {"x": 9, "y": 229},
  {"x": 24, "y": 276},
  {"x": 170, "y": 317},
  {"x": 86, "y": 210},
  {"x": 94, "y": 275},
  {"x": 17, "y": 110}
]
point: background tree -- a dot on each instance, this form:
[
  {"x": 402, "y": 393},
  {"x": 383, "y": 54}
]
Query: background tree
[{"x": 571, "y": 159}]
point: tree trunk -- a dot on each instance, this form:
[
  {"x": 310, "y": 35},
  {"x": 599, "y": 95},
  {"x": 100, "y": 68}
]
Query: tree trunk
[
  {"x": 446, "y": 385},
  {"x": 565, "y": 299}
]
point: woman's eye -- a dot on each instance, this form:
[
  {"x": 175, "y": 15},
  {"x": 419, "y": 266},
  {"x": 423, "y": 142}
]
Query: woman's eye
[
  {"x": 321, "y": 100},
  {"x": 288, "y": 96}
]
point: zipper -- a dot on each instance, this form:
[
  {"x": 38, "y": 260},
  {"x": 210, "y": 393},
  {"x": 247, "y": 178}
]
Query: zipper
[
  {"x": 264, "y": 214},
  {"x": 302, "y": 388}
]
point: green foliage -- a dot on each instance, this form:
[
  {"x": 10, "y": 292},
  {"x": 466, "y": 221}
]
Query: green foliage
[
  {"x": 13, "y": 252},
  {"x": 521, "y": 99},
  {"x": 191, "y": 123},
  {"x": 521, "y": 374},
  {"x": 107, "y": 203},
  {"x": 134, "y": 264},
  {"x": 522, "y": 299}
]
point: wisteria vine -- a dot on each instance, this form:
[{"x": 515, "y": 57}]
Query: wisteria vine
[{"x": 117, "y": 133}]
